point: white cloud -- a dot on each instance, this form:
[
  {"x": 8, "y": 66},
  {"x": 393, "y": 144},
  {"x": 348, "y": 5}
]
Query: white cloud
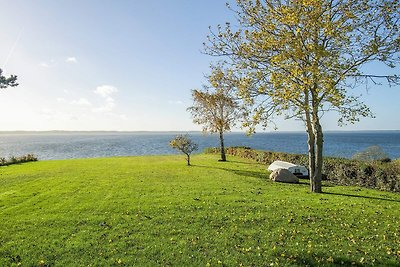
[
  {"x": 46, "y": 111},
  {"x": 107, "y": 107},
  {"x": 81, "y": 102},
  {"x": 61, "y": 100},
  {"x": 71, "y": 60},
  {"x": 44, "y": 65},
  {"x": 105, "y": 91},
  {"x": 123, "y": 117}
]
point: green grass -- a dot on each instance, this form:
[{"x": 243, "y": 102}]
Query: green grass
[{"x": 149, "y": 211}]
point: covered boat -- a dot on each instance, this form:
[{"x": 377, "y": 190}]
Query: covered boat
[{"x": 298, "y": 170}]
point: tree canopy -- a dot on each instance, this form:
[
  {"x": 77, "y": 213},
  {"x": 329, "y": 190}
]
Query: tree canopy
[
  {"x": 7, "y": 82},
  {"x": 371, "y": 153},
  {"x": 184, "y": 144},
  {"x": 215, "y": 107},
  {"x": 301, "y": 58}
]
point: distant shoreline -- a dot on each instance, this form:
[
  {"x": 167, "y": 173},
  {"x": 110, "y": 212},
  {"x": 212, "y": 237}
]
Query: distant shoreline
[
  {"x": 88, "y": 144},
  {"x": 183, "y": 131}
]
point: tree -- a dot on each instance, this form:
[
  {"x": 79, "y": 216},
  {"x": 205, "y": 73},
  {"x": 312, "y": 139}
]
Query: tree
[
  {"x": 185, "y": 145},
  {"x": 299, "y": 58},
  {"x": 7, "y": 82},
  {"x": 371, "y": 153},
  {"x": 216, "y": 110}
]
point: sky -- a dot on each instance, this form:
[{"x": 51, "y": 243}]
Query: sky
[{"x": 124, "y": 66}]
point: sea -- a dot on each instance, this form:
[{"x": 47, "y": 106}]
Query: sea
[{"x": 70, "y": 145}]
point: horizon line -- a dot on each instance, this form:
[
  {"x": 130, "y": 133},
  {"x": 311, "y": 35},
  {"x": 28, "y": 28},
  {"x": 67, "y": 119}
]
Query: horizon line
[{"x": 180, "y": 131}]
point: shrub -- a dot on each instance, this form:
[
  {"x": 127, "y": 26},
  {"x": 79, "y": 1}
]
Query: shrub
[
  {"x": 385, "y": 160},
  {"x": 16, "y": 160},
  {"x": 339, "y": 171},
  {"x": 3, "y": 161},
  {"x": 211, "y": 150},
  {"x": 372, "y": 153},
  {"x": 13, "y": 160}
]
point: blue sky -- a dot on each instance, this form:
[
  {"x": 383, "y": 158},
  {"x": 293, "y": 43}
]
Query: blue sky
[{"x": 122, "y": 65}]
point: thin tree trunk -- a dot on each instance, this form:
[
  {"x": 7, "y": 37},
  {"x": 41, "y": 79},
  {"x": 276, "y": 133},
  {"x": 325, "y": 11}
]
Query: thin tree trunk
[
  {"x": 316, "y": 185},
  {"x": 188, "y": 159},
  {"x": 222, "y": 146},
  {"x": 311, "y": 150},
  {"x": 310, "y": 141},
  {"x": 316, "y": 178}
]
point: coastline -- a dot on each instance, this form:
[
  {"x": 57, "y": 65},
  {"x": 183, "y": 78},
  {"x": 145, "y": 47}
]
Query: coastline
[
  {"x": 89, "y": 144},
  {"x": 183, "y": 131}
]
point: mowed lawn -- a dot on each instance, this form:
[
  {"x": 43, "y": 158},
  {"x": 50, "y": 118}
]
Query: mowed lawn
[{"x": 154, "y": 210}]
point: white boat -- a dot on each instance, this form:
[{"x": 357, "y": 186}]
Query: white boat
[{"x": 298, "y": 170}]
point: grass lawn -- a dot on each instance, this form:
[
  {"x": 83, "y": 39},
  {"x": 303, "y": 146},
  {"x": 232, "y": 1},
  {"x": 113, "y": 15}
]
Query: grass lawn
[{"x": 150, "y": 211}]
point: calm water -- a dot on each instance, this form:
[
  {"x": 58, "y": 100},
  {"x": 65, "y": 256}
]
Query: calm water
[{"x": 62, "y": 145}]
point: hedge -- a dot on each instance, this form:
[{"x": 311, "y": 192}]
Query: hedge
[
  {"x": 339, "y": 171},
  {"x": 16, "y": 160}
]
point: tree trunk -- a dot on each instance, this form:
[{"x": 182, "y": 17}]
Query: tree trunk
[
  {"x": 222, "y": 146},
  {"x": 316, "y": 178},
  {"x": 311, "y": 151},
  {"x": 188, "y": 159},
  {"x": 316, "y": 183},
  {"x": 310, "y": 141}
]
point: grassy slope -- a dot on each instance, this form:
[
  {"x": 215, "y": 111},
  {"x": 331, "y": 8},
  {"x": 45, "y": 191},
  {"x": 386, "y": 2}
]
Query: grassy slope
[{"x": 156, "y": 211}]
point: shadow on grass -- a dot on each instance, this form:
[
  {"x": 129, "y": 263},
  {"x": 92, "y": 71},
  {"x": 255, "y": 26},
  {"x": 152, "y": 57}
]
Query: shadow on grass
[
  {"x": 305, "y": 260},
  {"x": 255, "y": 174},
  {"x": 241, "y": 162},
  {"x": 365, "y": 197},
  {"x": 246, "y": 173}
]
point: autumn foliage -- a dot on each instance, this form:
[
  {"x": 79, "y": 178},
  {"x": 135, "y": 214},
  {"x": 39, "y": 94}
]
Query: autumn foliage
[{"x": 302, "y": 58}]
